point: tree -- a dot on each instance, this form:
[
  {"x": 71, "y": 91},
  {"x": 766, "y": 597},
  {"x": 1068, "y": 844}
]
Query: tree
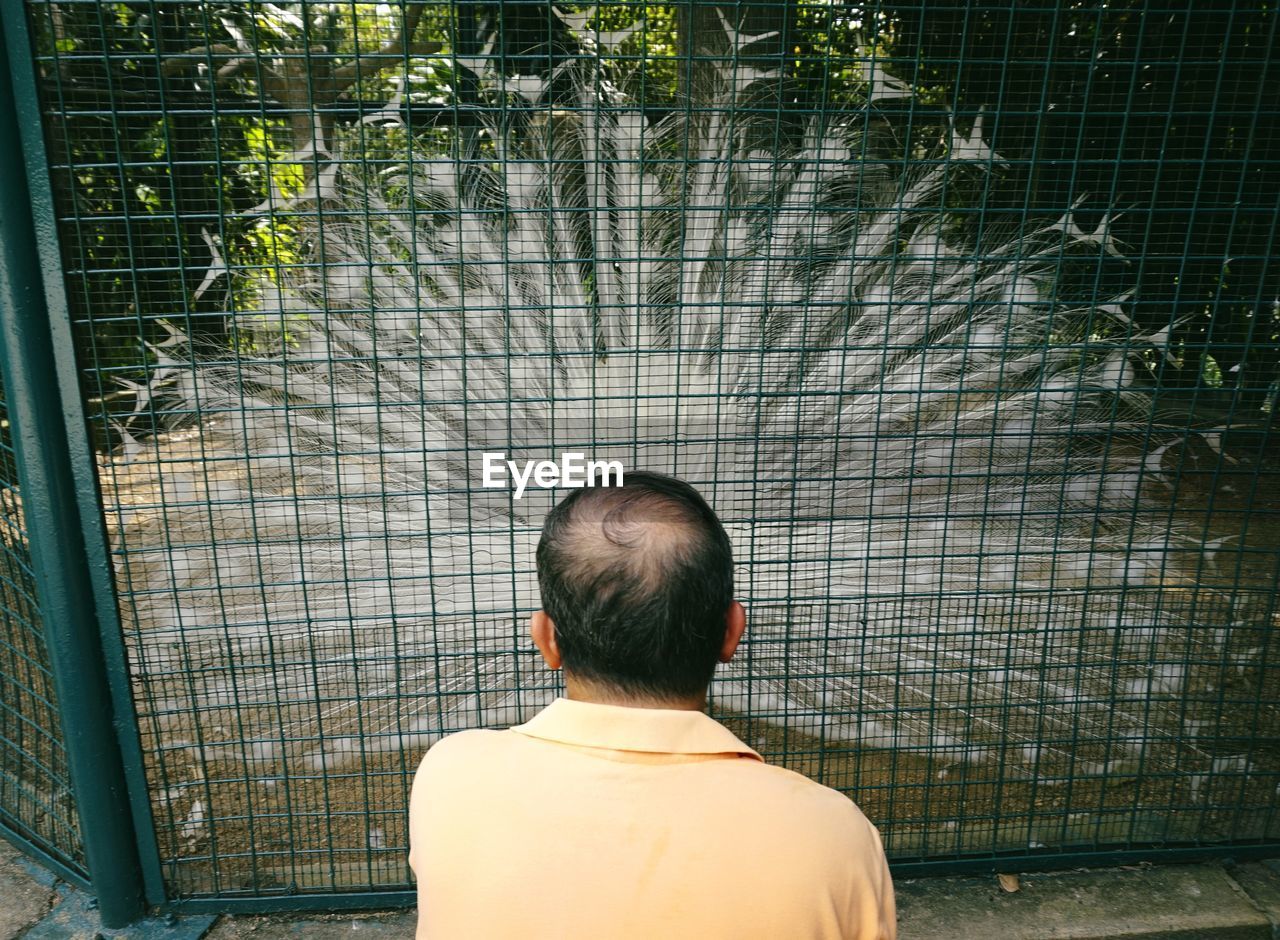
[{"x": 1159, "y": 112}]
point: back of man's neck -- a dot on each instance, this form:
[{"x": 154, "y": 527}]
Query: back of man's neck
[{"x": 580, "y": 690}]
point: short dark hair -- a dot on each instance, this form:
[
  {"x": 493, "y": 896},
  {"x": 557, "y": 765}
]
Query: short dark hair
[{"x": 637, "y": 579}]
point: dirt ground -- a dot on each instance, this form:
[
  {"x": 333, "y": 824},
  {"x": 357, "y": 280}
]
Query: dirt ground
[{"x": 231, "y": 826}]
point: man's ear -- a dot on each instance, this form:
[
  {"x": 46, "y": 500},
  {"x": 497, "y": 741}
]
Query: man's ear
[
  {"x": 543, "y": 630},
  {"x": 735, "y": 623}
]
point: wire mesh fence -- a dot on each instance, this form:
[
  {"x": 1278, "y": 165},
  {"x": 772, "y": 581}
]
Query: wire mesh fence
[
  {"x": 967, "y": 329},
  {"x": 37, "y": 802}
]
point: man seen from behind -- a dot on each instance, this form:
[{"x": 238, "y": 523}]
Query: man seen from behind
[{"x": 622, "y": 810}]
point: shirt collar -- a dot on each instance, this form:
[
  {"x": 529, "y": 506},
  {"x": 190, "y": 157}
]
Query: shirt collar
[{"x": 624, "y": 728}]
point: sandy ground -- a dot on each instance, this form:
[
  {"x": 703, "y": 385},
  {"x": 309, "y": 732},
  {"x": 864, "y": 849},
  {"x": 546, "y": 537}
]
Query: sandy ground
[
  {"x": 227, "y": 827},
  {"x": 346, "y": 829}
]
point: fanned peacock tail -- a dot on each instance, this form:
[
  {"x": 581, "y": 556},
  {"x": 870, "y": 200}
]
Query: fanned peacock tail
[{"x": 887, "y": 412}]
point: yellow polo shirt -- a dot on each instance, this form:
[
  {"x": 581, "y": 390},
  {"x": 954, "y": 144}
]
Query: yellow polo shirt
[{"x": 599, "y": 821}]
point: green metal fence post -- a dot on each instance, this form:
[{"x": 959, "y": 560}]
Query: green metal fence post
[{"x": 51, "y": 509}]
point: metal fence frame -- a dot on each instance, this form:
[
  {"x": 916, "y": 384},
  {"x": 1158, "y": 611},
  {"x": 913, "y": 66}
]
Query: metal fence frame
[
  {"x": 67, "y": 541},
  {"x": 70, "y": 554}
]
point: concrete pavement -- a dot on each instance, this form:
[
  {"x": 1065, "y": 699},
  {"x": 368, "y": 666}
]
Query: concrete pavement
[{"x": 1172, "y": 902}]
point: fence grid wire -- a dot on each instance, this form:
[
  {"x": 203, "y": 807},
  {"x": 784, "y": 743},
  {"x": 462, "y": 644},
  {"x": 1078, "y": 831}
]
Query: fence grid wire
[
  {"x": 37, "y": 803},
  {"x": 965, "y": 321}
]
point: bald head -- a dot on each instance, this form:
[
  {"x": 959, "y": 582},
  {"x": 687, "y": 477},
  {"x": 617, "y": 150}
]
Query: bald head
[{"x": 637, "y": 579}]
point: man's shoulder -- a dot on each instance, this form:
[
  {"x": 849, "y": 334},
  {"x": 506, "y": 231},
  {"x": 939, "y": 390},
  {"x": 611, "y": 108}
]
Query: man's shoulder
[
  {"x": 458, "y": 763},
  {"x": 463, "y": 746},
  {"x": 779, "y": 790}
]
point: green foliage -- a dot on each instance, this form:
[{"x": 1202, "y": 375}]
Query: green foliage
[
  {"x": 166, "y": 131},
  {"x": 1162, "y": 111}
]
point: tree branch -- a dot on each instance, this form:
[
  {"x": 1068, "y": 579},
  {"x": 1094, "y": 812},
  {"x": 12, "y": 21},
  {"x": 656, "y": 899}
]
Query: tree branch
[
  {"x": 176, "y": 63},
  {"x": 307, "y": 86},
  {"x": 395, "y": 49}
]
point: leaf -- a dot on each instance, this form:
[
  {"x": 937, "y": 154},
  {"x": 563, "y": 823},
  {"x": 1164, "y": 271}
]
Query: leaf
[{"x": 1008, "y": 883}]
